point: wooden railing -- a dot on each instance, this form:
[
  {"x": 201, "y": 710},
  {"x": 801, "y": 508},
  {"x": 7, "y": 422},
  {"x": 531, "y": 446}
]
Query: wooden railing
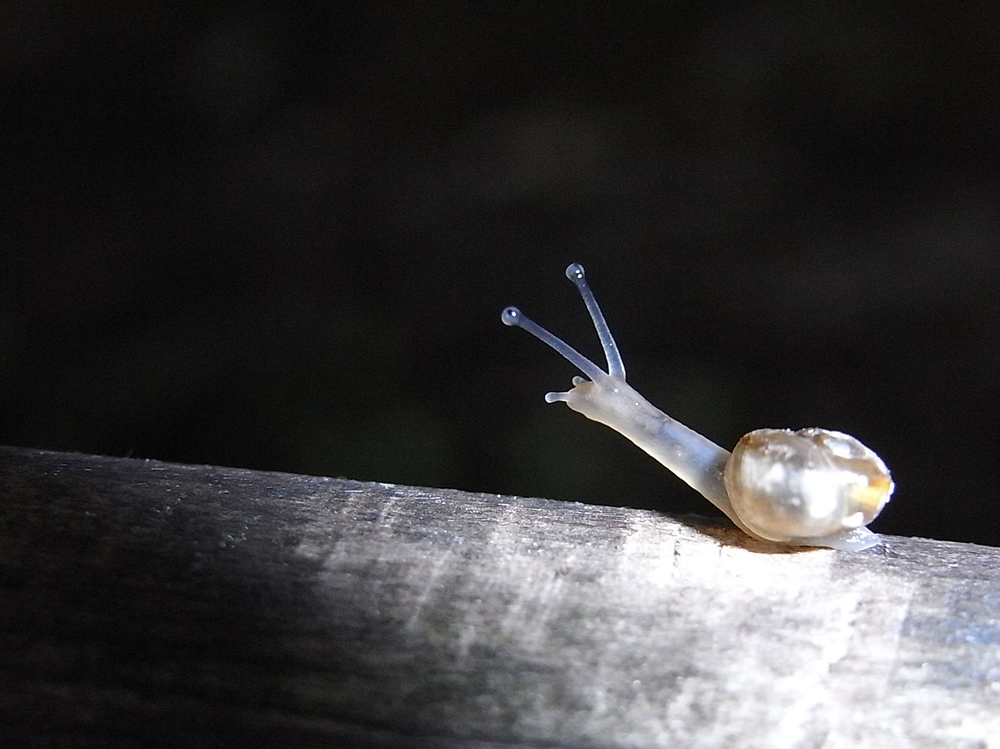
[{"x": 152, "y": 604}]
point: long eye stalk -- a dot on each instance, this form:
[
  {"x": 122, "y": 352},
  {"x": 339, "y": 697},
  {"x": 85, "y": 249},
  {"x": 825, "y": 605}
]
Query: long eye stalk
[
  {"x": 513, "y": 317},
  {"x": 616, "y": 368}
]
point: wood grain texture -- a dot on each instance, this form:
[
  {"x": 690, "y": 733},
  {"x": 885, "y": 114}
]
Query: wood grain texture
[{"x": 152, "y": 604}]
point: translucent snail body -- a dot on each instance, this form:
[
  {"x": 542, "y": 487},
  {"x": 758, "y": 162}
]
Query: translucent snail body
[{"x": 812, "y": 487}]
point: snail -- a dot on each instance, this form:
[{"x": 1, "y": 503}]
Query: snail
[{"x": 811, "y": 487}]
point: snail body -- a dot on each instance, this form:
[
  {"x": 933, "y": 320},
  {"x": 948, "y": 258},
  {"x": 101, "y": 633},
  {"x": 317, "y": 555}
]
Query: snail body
[{"x": 811, "y": 487}]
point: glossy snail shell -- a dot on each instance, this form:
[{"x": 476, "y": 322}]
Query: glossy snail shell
[{"x": 813, "y": 482}]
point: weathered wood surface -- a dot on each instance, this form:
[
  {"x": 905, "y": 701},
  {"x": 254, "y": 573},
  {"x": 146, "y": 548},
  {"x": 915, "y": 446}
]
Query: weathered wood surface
[{"x": 152, "y": 604}]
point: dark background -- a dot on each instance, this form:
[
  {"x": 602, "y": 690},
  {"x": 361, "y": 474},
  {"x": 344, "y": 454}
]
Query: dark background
[{"x": 280, "y": 236}]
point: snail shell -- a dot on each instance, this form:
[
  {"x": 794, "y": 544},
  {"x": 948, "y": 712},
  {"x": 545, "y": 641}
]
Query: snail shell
[{"x": 809, "y": 483}]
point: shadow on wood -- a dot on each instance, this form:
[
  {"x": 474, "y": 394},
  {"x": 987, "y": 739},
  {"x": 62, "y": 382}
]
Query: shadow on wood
[{"x": 169, "y": 605}]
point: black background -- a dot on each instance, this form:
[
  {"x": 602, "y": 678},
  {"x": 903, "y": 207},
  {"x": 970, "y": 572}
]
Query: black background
[{"x": 279, "y": 236}]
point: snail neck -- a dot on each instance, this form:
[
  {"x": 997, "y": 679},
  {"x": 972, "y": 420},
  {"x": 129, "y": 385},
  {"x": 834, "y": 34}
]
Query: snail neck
[{"x": 696, "y": 460}]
